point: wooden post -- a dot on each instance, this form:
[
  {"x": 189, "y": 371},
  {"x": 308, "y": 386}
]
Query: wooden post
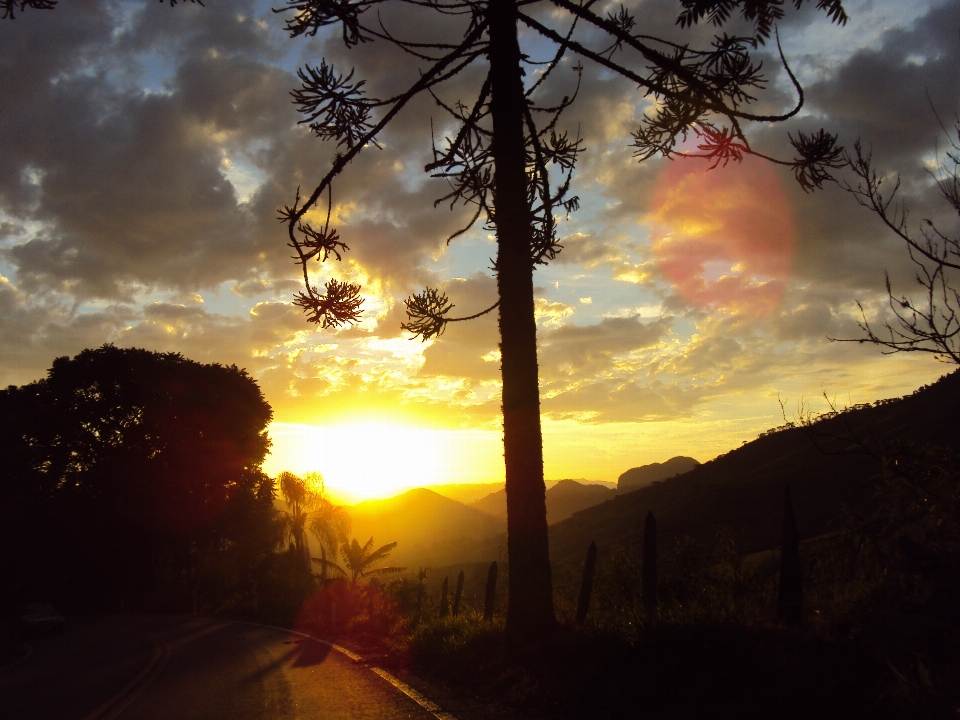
[
  {"x": 649, "y": 573},
  {"x": 491, "y": 595},
  {"x": 586, "y": 584},
  {"x": 456, "y": 597},
  {"x": 790, "y": 595}
]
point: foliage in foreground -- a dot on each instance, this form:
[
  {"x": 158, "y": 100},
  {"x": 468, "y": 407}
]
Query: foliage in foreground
[
  {"x": 880, "y": 633},
  {"x": 133, "y": 479}
]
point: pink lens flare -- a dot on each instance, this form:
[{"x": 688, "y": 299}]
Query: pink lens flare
[{"x": 723, "y": 237}]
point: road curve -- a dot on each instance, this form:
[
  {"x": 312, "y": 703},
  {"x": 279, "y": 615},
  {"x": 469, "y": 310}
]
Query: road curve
[{"x": 156, "y": 668}]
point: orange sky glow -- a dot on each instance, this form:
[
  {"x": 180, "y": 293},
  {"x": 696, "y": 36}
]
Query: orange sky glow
[{"x": 724, "y": 236}]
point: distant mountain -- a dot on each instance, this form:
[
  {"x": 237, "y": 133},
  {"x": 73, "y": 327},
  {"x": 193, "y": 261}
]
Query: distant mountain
[
  {"x": 466, "y": 493},
  {"x": 563, "y": 499},
  {"x": 569, "y": 496},
  {"x": 429, "y": 528},
  {"x": 638, "y": 477},
  {"x": 824, "y": 465},
  {"x": 493, "y": 504}
]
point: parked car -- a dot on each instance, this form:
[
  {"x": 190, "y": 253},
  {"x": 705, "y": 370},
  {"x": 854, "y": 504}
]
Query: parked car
[{"x": 36, "y": 618}]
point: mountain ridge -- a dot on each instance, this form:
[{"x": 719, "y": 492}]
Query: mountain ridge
[{"x": 429, "y": 528}]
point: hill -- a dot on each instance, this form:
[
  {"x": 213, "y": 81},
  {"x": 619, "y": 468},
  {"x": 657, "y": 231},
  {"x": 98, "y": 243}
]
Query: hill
[
  {"x": 827, "y": 465},
  {"x": 466, "y": 493},
  {"x": 563, "y": 499},
  {"x": 430, "y": 529},
  {"x": 638, "y": 477}
]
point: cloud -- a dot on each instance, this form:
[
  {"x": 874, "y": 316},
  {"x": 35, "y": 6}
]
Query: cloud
[
  {"x": 467, "y": 349},
  {"x": 585, "y": 350},
  {"x": 144, "y": 152}
]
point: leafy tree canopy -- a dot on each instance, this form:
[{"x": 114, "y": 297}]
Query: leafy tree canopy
[{"x": 129, "y": 458}]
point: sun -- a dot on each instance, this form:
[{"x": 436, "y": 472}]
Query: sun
[{"x": 376, "y": 459}]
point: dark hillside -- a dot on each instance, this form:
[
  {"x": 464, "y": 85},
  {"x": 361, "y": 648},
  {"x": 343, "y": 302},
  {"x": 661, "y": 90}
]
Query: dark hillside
[
  {"x": 638, "y": 477},
  {"x": 823, "y": 464},
  {"x": 430, "y": 529}
]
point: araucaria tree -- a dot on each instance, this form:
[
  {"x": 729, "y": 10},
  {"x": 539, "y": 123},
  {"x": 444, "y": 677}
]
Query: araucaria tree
[{"x": 510, "y": 162}]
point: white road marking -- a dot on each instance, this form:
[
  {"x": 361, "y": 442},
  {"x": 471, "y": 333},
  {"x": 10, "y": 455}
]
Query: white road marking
[
  {"x": 413, "y": 694},
  {"x": 428, "y": 705}
]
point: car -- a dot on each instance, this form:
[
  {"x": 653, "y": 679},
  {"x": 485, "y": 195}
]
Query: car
[{"x": 36, "y": 618}]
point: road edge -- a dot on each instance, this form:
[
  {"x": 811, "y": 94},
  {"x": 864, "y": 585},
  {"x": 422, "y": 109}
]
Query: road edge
[{"x": 427, "y": 704}]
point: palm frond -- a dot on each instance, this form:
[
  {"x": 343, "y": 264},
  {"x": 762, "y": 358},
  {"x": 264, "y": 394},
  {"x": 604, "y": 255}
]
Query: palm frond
[{"x": 384, "y": 571}]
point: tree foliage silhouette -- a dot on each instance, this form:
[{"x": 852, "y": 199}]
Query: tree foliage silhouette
[
  {"x": 359, "y": 559},
  {"x": 300, "y": 500},
  {"x": 308, "y": 509},
  {"x": 129, "y": 473},
  {"x": 932, "y": 323},
  {"x": 509, "y": 161},
  {"x": 512, "y": 165},
  {"x": 329, "y": 523},
  {"x": 9, "y": 8}
]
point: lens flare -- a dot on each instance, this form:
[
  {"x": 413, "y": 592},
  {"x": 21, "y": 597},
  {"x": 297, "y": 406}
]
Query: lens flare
[{"x": 723, "y": 237}]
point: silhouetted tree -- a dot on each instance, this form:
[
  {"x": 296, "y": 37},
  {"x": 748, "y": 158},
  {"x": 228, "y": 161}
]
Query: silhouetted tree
[
  {"x": 358, "y": 560},
  {"x": 649, "y": 571},
  {"x": 9, "y": 7},
  {"x": 511, "y": 165},
  {"x": 932, "y": 323},
  {"x": 328, "y": 522},
  {"x": 308, "y": 508},
  {"x": 458, "y": 594},
  {"x": 300, "y": 500},
  {"x": 443, "y": 597},
  {"x": 790, "y": 594},
  {"x": 586, "y": 583},
  {"x": 124, "y": 467},
  {"x": 490, "y": 596}
]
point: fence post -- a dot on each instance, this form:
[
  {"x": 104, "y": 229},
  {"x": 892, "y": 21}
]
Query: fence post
[
  {"x": 443, "y": 599},
  {"x": 790, "y": 595},
  {"x": 649, "y": 571},
  {"x": 456, "y": 597},
  {"x": 586, "y": 584},
  {"x": 491, "y": 595}
]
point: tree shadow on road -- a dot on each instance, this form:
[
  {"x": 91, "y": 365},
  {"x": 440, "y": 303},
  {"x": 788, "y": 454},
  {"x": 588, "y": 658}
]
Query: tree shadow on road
[{"x": 303, "y": 652}]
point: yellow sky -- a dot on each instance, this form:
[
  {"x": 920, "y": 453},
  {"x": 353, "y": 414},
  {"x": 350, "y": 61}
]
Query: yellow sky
[{"x": 382, "y": 457}]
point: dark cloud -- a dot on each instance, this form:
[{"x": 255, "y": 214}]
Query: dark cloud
[
  {"x": 144, "y": 151},
  {"x": 885, "y": 95}
]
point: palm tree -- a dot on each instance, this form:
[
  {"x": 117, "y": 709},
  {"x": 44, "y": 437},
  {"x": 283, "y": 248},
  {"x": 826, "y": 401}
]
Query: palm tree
[
  {"x": 359, "y": 559},
  {"x": 300, "y": 501},
  {"x": 329, "y": 523}
]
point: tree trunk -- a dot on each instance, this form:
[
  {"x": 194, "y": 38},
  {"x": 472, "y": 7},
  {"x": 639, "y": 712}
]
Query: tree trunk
[
  {"x": 586, "y": 584},
  {"x": 456, "y": 597},
  {"x": 790, "y": 595},
  {"x": 530, "y": 605},
  {"x": 490, "y": 597},
  {"x": 443, "y": 599},
  {"x": 649, "y": 570}
]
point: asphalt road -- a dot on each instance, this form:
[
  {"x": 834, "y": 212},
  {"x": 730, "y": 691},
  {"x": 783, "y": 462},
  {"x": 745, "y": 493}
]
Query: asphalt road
[{"x": 153, "y": 668}]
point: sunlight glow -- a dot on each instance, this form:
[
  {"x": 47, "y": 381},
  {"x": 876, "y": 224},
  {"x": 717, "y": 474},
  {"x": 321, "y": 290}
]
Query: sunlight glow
[{"x": 377, "y": 459}]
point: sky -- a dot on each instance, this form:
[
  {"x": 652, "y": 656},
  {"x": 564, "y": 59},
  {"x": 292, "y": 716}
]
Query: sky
[{"x": 145, "y": 151}]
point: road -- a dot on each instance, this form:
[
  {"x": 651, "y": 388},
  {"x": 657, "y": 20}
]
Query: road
[{"x": 156, "y": 668}]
